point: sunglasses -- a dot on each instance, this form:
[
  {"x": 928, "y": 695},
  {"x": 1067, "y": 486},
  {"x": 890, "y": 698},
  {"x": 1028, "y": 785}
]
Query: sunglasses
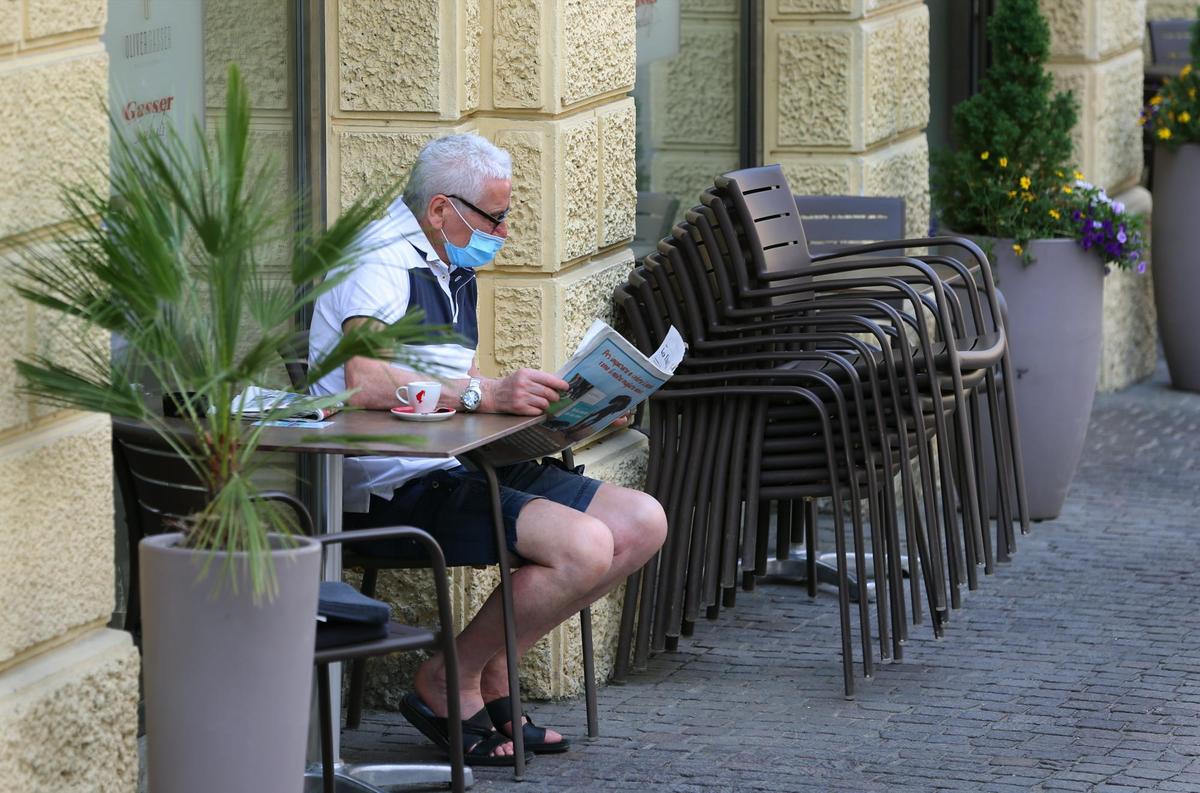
[{"x": 496, "y": 220}]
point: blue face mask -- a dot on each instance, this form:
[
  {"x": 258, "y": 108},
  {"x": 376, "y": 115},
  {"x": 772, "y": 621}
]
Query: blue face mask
[{"x": 480, "y": 249}]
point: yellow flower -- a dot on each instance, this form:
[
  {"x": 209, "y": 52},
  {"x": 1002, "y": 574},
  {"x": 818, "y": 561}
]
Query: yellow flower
[
  {"x": 1142, "y": 121},
  {"x": 1028, "y": 197},
  {"x": 1186, "y": 70},
  {"x": 1054, "y": 213},
  {"x": 1079, "y": 174},
  {"x": 1025, "y": 182},
  {"x": 1156, "y": 100},
  {"x": 1059, "y": 174},
  {"x": 1068, "y": 189},
  {"x": 985, "y": 155},
  {"x": 1185, "y": 117},
  {"x": 1012, "y": 193},
  {"x": 1003, "y": 162},
  {"x": 1164, "y": 133},
  {"x": 1191, "y": 93},
  {"x": 1017, "y": 249}
]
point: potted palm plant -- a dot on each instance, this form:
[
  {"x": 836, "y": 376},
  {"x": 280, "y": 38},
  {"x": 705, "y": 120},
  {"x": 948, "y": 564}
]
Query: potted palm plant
[
  {"x": 172, "y": 258},
  {"x": 1050, "y": 236},
  {"x": 1174, "y": 118}
]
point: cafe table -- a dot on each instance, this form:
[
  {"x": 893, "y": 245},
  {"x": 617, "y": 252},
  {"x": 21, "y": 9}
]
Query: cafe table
[{"x": 476, "y": 439}]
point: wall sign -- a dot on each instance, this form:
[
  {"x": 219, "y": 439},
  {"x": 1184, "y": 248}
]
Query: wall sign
[{"x": 155, "y": 66}]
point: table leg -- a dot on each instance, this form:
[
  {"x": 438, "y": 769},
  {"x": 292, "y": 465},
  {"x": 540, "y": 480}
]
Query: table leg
[{"x": 510, "y": 629}]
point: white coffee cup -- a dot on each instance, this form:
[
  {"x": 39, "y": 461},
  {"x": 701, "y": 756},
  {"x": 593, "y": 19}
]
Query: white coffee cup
[{"x": 420, "y": 395}]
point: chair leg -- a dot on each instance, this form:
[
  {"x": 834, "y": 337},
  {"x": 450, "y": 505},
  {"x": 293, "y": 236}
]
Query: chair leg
[
  {"x": 589, "y": 671},
  {"x": 326, "y": 713},
  {"x": 358, "y": 669}
]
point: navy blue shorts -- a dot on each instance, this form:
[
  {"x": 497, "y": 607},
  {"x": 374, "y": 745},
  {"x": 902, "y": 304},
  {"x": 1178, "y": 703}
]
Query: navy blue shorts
[{"x": 455, "y": 507}]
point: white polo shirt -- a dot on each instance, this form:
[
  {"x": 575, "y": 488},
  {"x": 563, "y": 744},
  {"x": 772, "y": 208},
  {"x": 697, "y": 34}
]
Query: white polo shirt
[{"x": 399, "y": 271}]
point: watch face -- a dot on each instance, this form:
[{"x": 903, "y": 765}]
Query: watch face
[{"x": 470, "y": 397}]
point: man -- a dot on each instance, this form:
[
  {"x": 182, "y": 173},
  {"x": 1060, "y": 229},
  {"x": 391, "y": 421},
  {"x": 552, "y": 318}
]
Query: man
[{"x": 576, "y": 537}]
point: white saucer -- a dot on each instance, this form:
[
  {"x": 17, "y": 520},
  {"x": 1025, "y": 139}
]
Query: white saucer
[{"x": 406, "y": 413}]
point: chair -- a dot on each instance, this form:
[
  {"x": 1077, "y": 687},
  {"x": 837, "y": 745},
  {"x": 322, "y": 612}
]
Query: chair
[
  {"x": 295, "y": 358},
  {"x": 158, "y": 487}
]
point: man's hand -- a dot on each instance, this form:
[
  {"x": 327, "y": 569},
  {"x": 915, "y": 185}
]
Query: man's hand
[{"x": 525, "y": 392}]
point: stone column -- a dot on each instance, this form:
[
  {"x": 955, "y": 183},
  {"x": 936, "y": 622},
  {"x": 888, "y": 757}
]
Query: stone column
[
  {"x": 549, "y": 82},
  {"x": 68, "y": 685},
  {"x": 846, "y": 99},
  {"x": 1096, "y": 52}
]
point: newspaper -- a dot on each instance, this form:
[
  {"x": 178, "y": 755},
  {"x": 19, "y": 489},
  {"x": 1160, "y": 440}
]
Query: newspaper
[
  {"x": 608, "y": 378},
  {"x": 256, "y": 402}
]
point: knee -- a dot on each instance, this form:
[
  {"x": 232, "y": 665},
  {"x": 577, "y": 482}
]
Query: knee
[
  {"x": 587, "y": 551},
  {"x": 647, "y": 528}
]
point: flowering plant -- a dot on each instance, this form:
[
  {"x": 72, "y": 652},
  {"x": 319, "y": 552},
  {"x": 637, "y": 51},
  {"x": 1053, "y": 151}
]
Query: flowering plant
[
  {"x": 1010, "y": 175},
  {"x": 1174, "y": 112}
]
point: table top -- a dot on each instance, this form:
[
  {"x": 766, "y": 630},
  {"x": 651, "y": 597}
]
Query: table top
[{"x": 457, "y": 435}]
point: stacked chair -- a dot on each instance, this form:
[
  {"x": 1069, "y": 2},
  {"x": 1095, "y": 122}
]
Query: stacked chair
[{"x": 819, "y": 377}]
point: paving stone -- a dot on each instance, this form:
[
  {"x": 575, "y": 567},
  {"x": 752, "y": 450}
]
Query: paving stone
[{"x": 1076, "y": 667}]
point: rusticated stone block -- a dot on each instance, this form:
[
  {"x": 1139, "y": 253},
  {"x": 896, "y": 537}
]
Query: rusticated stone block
[
  {"x": 902, "y": 169},
  {"x": 68, "y": 717},
  {"x": 556, "y": 56},
  {"x": 254, "y": 35},
  {"x": 1130, "y": 347},
  {"x": 680, "y": 114},
  {"x": 61, "y": 127},
  {"x": 1093, "y": 29},
  {"x": 685, "y": 174},
  {"x": 374, "y": 161},
  {"x": 1171, "y": 9},
  {"x": 56, "y": 17},
  {"x": 56, "y": 570},
  {"x": 617, "y": 172},
  {"x": 1107, "y": 143},
  {"x": 538, "y": 322},
  {"x": 810, "y": 86},
  {"x": 556, "y": 189},
  {"x": 14, "y": 409},
  {"x": 10, "y": 22},
  {"x": 381, "y": 70},
  {"x": 830, "y": 8},
  {"x": 518, "y": 62},
  {"x": 819, "y": 174},
  {"x": 598, "y": 42},
  {"x": 896, "y": 90}
]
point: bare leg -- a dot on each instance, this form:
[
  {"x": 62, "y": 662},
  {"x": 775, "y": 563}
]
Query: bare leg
[
  {"x": 638, "y": 527},
  {"x": 568, "y": 554}
]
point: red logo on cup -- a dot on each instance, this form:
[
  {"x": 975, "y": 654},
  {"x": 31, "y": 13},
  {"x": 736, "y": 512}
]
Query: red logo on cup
[{"x": 421, "y": 396}]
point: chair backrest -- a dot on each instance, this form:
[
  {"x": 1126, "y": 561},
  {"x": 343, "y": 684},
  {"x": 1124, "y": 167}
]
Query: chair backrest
[
  {"x": 156, "y": 484},
  {"x": 832, "y": 222},
  {"x": 294, "y": 353},
  {"x": 652, "y": 220},
  {"x": 1169, "y": 39},
  {"x": 761, "y": 204}
]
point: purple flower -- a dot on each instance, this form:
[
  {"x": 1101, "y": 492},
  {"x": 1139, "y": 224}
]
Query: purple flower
[
  {"x": 1076, "y": 216},
  {"x": 1118, "y": 207},
  {"x": 1141, "y": 267},
  {"x": 1097, "y": 224},
  {"x": 1122, "y": 237}
]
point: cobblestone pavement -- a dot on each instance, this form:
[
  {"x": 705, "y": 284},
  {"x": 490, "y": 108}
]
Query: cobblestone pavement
[{"x": 1071, "y": 669}]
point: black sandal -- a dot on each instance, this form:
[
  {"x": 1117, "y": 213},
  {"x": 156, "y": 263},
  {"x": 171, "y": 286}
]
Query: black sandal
[
  {"x": 500, "y": 712},
  {"x": 480, "y": 739}
]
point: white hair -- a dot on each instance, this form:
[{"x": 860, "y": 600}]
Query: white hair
[{"x": 454, "y": 165}]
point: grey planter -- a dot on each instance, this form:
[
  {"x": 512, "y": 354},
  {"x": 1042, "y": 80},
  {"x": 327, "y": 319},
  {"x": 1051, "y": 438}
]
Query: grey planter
[
  {"x": 1175, "y": 252},
  {"x": 1055, "y": 309},
  {"x": 228, "y": 681}
]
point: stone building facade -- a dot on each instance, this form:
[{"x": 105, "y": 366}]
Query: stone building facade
[{"x": 845, "y": 106}]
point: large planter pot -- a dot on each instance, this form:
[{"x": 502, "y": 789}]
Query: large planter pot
[
  {"x": 1175, "y": 250},
  {"x": 1055, "y": 309},
  {"x": 228, "y": 680}
]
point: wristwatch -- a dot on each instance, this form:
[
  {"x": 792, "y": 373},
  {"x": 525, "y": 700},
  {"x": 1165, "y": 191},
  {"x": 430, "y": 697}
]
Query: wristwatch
[{"x": 471, "y": 396}]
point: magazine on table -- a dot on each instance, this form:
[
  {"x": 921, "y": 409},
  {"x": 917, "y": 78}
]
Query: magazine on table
[
  {"x": 608, "y": 378},
  {"x": 255, "y": 403}
]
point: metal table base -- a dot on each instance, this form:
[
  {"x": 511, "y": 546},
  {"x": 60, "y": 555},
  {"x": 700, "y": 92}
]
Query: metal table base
[{"x": 375, "y": 778}]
